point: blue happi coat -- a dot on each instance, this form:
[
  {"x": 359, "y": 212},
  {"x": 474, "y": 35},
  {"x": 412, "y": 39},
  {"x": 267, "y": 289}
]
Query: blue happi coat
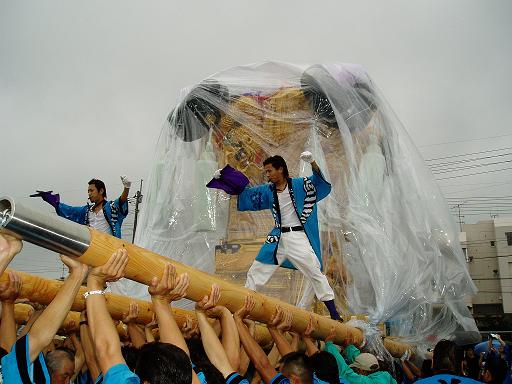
[
  {"x": 114, "y": 212},
  {"x": 305, "y": 194}
]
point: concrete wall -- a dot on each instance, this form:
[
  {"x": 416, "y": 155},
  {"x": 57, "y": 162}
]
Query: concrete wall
[
  {"x": 483, "y": 264},
  {"x": 490, "y": 261},
  {"x": 502, "y": 226}
]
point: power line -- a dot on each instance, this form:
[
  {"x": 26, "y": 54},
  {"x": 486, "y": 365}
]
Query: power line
[
  {"x": 437, "y": 165},
  {"x": 473, "y": 174},
  {"x": 458, "y": 169},
  {"x": 483, "y": 197},
  {"x": 464, "y": 141},
  {"x": 469, "y": 154},
  {"x": 458, "y": 185}
]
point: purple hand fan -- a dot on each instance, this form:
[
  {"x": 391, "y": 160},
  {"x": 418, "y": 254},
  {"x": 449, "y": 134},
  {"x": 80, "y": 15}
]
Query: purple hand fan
[{"x": 231, "y": 181}]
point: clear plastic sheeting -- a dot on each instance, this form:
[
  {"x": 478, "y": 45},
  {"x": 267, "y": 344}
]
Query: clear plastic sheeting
[
  {"x": 372, "y": 339},
  {"x": 389, "y": 244}
]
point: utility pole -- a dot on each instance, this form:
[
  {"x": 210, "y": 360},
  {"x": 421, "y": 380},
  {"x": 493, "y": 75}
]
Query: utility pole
[
  {"x": 138, "y": 200},
  {"x": 460, "y": 216},
  {"x": 62, "y": 272}
]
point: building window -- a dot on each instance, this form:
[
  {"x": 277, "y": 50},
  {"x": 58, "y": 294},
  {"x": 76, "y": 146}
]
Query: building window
[
  {"x": 509, "y": 238},
  {"x": 465, "y": 252},
  {"x": 493, "y": 243}
]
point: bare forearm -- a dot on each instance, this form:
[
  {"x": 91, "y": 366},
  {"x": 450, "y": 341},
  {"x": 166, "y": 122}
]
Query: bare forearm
[
  {"x": 104, "y": 334},
  {"x": 149, "y": 335},
  {"x": 212, "y": 346},
  {"x": 30, "y": 322},
  {"x": 315, "y": 167},
  {"x": 136, "y": 335},
  {"x": 124, "y": 195},
  {"x": 169, "y": 330},
  {"x": 7, "y": 326},
  {"x": 281, "y": 343},
  {"x": 90, "y": 355},
  {"x": 274, "y": 356},
  {"x": 244, "y": 361},
  {"x": 413, "y": 368},
  {"x": 407, "y": 371},
  {"x": 4, "y": 263},
  {"x": 79, "y": 355},
  {"x": 295, "y": 342},
  {"x": 48, "y": 323},
  {"x": 230, "y": 339},
  {"x": 254, "y": 351},
  {"x": 311, "y": 348}
]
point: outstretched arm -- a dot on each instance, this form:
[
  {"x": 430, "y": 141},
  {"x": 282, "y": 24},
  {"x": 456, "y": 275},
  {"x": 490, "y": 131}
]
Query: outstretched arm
[
  {"x": 136, "y": 335},
  {"x": 79, "y": 355},
  {"x": 163, "y": 291},
  {"x": 48, "y": 323},
  {"x": 8, "y": 295},
  {"x": 104, "y": 333},
  {"x": 88, "y": 347},
  {"x": 127, "y": 185},
  {"x": 9, "y": 247},
  {"x": 230, "y": 338},
  {"x": 244, "y": 359},
  {"x": 211, "y": 343},
  {"x": 280, "y": 322},
  {"x": 252, "y": 348},
  {"x": 311, "y": 347}
]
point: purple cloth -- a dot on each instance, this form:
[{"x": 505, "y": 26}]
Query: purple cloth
[
  {"x": 49, "y": 197},
  {"x": 231, "y": 181}
]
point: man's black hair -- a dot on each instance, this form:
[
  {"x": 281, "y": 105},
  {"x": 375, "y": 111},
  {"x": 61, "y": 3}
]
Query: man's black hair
[
  {"x": 201, "y": 361},
  {"x": 163, "y": 363},
  {"x": 277, "y": 162},
  {"x": 497, "y": 368},
  {"x": 130, "y": 355},
  {"x": 447, "y": 358},
  {"x": 297, "y": 363},
  {"x": 325, "y": 367},
  {"x": 426, "y": 368},
  {"x": 99, "y": 184}
]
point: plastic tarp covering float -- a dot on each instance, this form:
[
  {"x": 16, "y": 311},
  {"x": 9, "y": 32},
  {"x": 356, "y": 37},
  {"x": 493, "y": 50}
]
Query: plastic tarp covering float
[{"x": 389, "y": 245}]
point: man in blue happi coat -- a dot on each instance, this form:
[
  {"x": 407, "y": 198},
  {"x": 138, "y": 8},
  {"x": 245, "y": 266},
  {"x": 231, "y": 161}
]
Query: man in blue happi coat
[
  {"x": 294, "y": 242},
  {"x": 102, "y": 214}
]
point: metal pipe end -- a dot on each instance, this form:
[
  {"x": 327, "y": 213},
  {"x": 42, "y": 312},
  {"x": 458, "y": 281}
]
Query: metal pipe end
[
  {"x": 6, "y": 209},
  {"x": 43, "y": 229}
]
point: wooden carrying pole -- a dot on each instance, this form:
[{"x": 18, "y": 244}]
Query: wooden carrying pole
[
  {"x": 94, "y": 248},
  {"x": 143, "y": 265},
  {"x": 71, "y": 323},
  {"x": 43, "y": 291}
]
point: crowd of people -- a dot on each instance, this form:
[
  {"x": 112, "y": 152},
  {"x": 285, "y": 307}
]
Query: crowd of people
[{"x": 219, "y": 347}]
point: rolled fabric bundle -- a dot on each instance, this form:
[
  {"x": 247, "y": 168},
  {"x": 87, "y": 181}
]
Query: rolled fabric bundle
[{"x": 230, "y": 181}]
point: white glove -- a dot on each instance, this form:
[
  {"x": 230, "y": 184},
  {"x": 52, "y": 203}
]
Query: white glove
[
  {"x": 307, "y": 157},
  {"x": 216, "y": 174},
  {"x": 126, "y": 182}
]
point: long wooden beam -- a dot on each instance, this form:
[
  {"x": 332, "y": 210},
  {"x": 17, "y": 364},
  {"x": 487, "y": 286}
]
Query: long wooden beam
[
  {"x": 71, "y": 323},
  {"x": 41, "y": 290},
  {"x": 94, "y": 248},
  {"x": 143, "y": 265}
]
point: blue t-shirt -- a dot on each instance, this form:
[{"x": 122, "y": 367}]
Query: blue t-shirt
[
  {"x": 200, "y": 374},
  {"x": 235, "y": 378},
  {"x": 17, "y": 367},
  {"x": 120, "y": 373},
  {"x": 446, "y": 379}
]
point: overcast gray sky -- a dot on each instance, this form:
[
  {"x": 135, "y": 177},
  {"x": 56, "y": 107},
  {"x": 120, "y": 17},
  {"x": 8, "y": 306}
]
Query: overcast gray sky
[{"x": 85, "y": 86}]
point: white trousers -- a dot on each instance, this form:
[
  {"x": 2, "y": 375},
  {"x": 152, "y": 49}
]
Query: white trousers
[{"x": 295, "y": 247}]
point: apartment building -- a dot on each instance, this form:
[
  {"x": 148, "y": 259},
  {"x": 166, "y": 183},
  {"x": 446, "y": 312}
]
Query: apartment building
[{"x": 488, "y": 248}]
